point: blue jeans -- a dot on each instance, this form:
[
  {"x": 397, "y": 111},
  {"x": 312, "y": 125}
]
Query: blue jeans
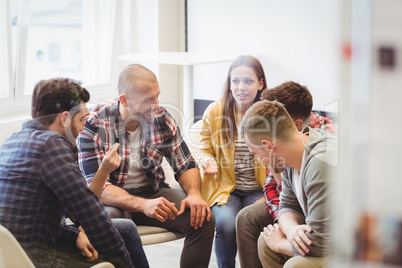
[
  {"x": 132, "y": 240},
  {"x": 225, "y": 225}
]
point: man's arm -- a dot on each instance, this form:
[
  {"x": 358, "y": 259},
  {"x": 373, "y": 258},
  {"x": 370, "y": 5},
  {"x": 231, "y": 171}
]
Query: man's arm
[
  {"x": 187, "y": 174},
  {"x": 271, "y": 194},
  {"x": 111, "y": 161},
  {"x": 291, "y": 218},
  {"x": 90, "y": 153},
  {"x": 62, "y": 176},
  {"x": 276, "y": 240},
  {"x": 318, "y": 210},
  {"x": 295, "y": 230},
  {"x": 190, "y": 181},
  {"x": 158, "y": 208}
]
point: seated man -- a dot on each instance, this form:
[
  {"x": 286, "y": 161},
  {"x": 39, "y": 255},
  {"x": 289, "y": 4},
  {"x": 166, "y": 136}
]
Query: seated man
[
  {"x": 305, "y": 159},
  {"x": 147, "y": 133},
  {"x": 252, "y": 219},
  {"x": 40, "y": 179}
]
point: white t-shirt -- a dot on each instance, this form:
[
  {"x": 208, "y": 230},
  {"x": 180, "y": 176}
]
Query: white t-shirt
[
  {"x": 299, "y": 186},
  {"x": 135, "y": 176}
]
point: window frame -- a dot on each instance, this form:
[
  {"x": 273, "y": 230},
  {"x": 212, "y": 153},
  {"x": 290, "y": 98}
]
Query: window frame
[
  {"x": 16, "y": 99},
  {"x": 7, "y": 101}
]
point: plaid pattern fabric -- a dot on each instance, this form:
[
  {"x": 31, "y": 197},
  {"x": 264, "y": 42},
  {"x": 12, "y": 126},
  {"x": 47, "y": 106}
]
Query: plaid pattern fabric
[
  {"x": 271, "y": 193},
  {"x": 161, "y": 138},
  {"x": 321, "y": 122},
  {"x": 39, "y": 179},
  {"x": 271, "y": 188}
]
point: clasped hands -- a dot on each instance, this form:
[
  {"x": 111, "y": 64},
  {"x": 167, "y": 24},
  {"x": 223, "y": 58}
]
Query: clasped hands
[
  {"x": 161, "y": 209},
  {"x": 279, "y": 242}
]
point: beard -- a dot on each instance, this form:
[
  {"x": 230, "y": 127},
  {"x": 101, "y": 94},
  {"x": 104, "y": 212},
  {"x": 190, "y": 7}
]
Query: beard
[{"x": 71, "y": 134}]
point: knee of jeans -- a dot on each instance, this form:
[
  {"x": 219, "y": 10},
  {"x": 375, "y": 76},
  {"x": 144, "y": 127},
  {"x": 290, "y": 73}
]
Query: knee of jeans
[
  {"x": 114, "y": 212},
  {"x": 226, "y": 227}
]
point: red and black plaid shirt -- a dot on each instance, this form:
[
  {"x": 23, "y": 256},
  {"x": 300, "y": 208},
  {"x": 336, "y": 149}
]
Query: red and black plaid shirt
[{"x": 104, "y": 127}]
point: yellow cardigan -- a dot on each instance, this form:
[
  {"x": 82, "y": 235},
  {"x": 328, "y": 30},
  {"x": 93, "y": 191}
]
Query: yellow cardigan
[{"x": 217, "y": 188}]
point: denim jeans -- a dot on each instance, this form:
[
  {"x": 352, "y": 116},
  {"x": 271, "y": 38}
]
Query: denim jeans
[
  {"x": 132, "y": 240},
  {"x": 225, "y": 225}
]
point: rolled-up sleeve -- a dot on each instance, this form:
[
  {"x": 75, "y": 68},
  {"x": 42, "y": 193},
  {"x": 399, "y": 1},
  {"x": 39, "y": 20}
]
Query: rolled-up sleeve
[{"x": 90, "y": 153}]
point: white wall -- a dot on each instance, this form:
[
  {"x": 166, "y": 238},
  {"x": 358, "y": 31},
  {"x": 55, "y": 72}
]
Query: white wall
[
  {"x": 294, "y": 40},
  {"x": 386, "y": 96}
]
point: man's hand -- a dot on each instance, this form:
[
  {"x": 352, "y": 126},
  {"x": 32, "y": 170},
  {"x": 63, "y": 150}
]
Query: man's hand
[
  {"x": 298, "y": 239},
  {"x": 160, "y": 209},
  {"x": 86, "y": 247},
  {"x": 111, "y": 161},
  {"x": 199, "y": 210},
  {"x": 276, "y": 240},
  {"x": 210, "y": 167}
]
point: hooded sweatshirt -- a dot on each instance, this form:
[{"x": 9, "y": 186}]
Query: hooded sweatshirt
[{"x": 318, "y": 166}]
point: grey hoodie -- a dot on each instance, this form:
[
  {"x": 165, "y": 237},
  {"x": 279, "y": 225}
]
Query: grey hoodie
[{"x": 319, "y": 161}]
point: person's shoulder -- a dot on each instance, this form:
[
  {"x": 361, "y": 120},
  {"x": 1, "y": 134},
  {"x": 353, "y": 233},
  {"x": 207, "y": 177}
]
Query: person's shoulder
[
  {"x": 103, "y": 109},
  {"x": 162, "y": 115},
  {"x": 42, "y": 138},
  {"x": 164, "y": 121},
  {"x": 214, "y": 108},
  {"x": 34, "y": 131},
  {"x": 322, "y": 147}
]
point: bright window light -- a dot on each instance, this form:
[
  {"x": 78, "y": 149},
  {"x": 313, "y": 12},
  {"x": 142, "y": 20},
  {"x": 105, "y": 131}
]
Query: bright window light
[{"x": 68, "y": 38}]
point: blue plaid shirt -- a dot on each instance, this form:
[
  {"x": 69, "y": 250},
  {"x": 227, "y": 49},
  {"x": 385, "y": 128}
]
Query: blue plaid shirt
[
  {"x": 39, "y": 179},
  {"x": 105, "y": 127}
]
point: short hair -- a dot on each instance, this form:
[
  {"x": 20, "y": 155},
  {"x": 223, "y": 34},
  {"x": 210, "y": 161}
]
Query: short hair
[
  {"x": 267, "y": 120},
  {"x": 53, "y": 96},
  {"x": 296, "y": 98},
  {"x": 132, "y": 73}
]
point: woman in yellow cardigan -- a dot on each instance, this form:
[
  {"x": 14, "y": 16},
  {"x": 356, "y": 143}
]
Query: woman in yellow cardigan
[{"x": 232, "y": 176}]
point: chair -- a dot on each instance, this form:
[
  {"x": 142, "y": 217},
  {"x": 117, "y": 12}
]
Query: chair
[
  {"x": 11, "y": 252},
  {"x": 13, "y": 255},
  {"x": 152, "y": 234}
]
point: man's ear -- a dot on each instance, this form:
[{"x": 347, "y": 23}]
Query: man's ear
[
  {"x": 268, "y": 145},
  {"x": 123, "y": 100},
  {"x": 64, "y": 118},
  {"x": 299, "y": 124}
]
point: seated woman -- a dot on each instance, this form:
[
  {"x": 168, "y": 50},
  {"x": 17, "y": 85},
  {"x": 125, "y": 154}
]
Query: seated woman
[{"x": 232, "y": 178}]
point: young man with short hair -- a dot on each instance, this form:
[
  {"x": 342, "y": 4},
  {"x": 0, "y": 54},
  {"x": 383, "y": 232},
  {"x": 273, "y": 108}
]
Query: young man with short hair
[
  {"x": 40, "y": 179},
  {"x": 251, "y": 220},
  {"x": 305, "y": 160}
]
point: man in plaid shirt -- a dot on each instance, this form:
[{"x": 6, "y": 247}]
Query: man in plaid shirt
[
  {"x": 40, "y": 179},
  {"x": 252, "y": 219},
  {"x": 147, "y": 133}
]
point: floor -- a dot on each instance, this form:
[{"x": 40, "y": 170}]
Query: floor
[{"x": 167, "y": 255}]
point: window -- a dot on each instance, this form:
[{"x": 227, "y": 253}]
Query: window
[
  {"x": 5, "y": 56},
  {"x": 69, "y": 38}
]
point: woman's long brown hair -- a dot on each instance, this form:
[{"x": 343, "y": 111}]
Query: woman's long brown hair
[{"x": 228, "y": 124}]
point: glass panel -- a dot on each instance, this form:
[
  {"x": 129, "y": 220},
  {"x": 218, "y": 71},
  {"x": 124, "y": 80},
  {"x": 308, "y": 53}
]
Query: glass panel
[
  {"x": 53, "y": 41},
  {"x": 4, "y": 81},
  {"x": 63, "y": 42}
]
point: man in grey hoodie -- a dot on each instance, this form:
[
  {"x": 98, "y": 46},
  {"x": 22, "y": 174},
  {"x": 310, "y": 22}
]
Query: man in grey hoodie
[{"x": 306, "y": 161}]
